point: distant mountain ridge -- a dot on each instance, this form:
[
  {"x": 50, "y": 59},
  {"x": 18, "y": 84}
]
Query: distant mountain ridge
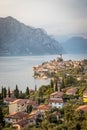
[
  {"x": 75, "y": 45},
  {"x": 19, "y": 39}
]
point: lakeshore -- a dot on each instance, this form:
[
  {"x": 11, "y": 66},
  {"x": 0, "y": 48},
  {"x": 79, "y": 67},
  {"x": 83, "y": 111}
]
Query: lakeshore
[
  {"x": 66, "y": 93},
  {"x": 19, "y": 70},
  {"x": 51, "y": 69}
]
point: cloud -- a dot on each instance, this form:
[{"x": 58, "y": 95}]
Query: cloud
[{"x": 56, "y": 16}]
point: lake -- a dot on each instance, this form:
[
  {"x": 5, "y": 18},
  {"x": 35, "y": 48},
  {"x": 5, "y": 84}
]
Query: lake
[{"x": 18, "y": 70}]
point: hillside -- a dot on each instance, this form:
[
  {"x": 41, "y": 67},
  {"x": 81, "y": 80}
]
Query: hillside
[
  {"x": 18, "y": 39},
  {"x": 75, "y": 45}
]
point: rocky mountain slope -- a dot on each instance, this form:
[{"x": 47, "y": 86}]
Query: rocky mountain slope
[{"x": 18, "y": 39}]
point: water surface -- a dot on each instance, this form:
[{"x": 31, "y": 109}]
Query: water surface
[{"x": 18, "y": 70}]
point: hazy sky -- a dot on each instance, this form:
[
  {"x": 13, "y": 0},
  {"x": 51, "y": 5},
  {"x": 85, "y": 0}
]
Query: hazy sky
[{"x": 57, "y": 17}]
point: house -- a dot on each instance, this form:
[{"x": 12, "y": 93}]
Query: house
[
  {"x": 85, "y": 95},
  {"x": 57, "y": 114},
  {"x": 44, "y": 108},
  {"x": 21, "y": 124},
  {"x": 72, "y": 91},
  {"x": 20, "y": 105},
  {"x": 56, "y": 99},
  {"x": 32, "y": 117},
  {"x": 8, "y": 100},
  {"x": 56, "y": 94},
  {"x": 83, "y": 108},
  {"x": 38, "y": 114},
  {"x": 15, "y": 117},
  {"x": 17, "y": 106},
  {"x": 35, "y": 117},
  {"x": 18, "y": 120},
  {"x": 56, "y": 102},
  {"x": 32, "y": 103}
]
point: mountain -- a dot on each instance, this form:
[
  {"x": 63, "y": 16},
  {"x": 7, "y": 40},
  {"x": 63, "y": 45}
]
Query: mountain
[
  {"x": 61, "y": 38},
  {"x": 19, "y": 39},
  {"x": 75, "y": 45}
]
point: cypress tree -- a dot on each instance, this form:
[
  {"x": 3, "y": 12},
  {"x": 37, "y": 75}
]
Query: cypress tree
[
  {"x": 62, "y": 84},
  {"x": 4, "y": 92},
  {"x": 9, "y": 94},
  {"x": 35, "y": 87},
  {"x": 16, "y": 92},
  {"x": 51, "y": 83},
  {"x": 56, "y": 86},
  {"x": 27, "y": 91},
  {"x": 1, "y": 118}
]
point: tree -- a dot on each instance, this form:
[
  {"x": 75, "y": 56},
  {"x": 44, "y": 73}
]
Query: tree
[
  {"x": 27, "y": 92},
  {"x": 56, "y": 86},
  {"x": 4, "y": 92},
  {"x": 29, "y": 108},
  {"x": 62, "y": 84},
  {"x": 16, "y": 92},
  {"x": 35, "y": 87},
  {"x": 51, "y": 83},
  {"x": 1, "y": 118},
  {"x": 22, "y": 95},
  {"x": 68, "y": 81},
  {"x": 9, "y": 94}
]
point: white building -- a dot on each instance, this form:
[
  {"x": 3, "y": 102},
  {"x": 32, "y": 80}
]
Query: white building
[
  {"x": 56, "y": 102},
  {"x": 56, "y": 99}
]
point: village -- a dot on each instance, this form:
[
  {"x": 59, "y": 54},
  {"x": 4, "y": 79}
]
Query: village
[
  {"x": 48, "y": 69},
  {"x": 67, "y": 89}
]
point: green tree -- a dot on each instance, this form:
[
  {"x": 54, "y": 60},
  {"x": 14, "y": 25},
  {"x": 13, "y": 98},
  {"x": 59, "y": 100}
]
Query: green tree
[
  {"x": 56, "y": 86},
  {"x": 9, "y": 94},
  {"x": 51, "y": 83},
  {"x": 16, "y": 92},
  {"x": 29, "y": 108},
  {"x": 27, "y": 92},
  {"x": 22, "y": 95},
  {"x": 2, "y": 92},
  {"x": 1, "y": 118},
  {"x": 35, "y": 87},
  {"x": 70, "y": 80},
  {"x": 62, "y": 84}
]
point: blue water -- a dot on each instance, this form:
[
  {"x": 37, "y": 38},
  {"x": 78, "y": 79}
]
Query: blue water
[{"x": 18, "y": 70}]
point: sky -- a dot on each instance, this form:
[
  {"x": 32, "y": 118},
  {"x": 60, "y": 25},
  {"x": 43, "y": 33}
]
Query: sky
[{"x": 57, "y": 17}]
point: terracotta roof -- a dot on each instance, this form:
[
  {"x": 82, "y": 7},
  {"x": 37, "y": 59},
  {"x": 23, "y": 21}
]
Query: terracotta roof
[
  {"x": 31, "y": 102},
  {"x": 83, "y": 108},
  {"x": 44, "y": 107},
  {"x": 57, "y": 113},
  {"x": 85, "y": 92},
  {"x": 17, "y": 115},
  {"x": 60, "y": 94},
  {"x": 72, "y": 91},
  {"x": 23, "y": 101},
  {"x": 15, "y": 101},
  {"x": 32, "y": 113},
  {"x": 22, "y": 123},
  {"x": 57, "y": 100},
  {"x": 7, "y": 99}
]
